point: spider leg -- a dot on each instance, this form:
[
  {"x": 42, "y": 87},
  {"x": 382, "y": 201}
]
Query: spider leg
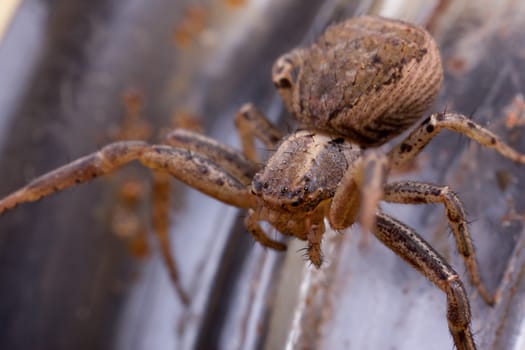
[
  {"x": 160, "y": 218},
  {"x": 225, "y": 157},
  {"x": 374, "y": 175},
  {"x": 418, "y": 193},
  {"x": 252, "y": 124},
  {"x": 161, "y": 222},
  {"x": 406, "y": 243},
  {"x": 315, "y": 238},
  {"x": 252, "y": 225},
  {"x": 430, "y": 127},
  {"x": 359, "y": 192},
  {"x": 194, "y": 169}
]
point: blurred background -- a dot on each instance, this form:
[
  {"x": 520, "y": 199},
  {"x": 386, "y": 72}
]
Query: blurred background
[{"x": 82, "y": 270}]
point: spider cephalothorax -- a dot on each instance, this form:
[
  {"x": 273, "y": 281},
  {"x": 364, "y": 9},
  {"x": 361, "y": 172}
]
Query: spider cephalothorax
[
  {"x": 362, "y": 83},
  {"x": 294, "y": 179}
]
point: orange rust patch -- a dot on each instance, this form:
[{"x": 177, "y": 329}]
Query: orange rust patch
[
  {"x": 456, "y": 65},
  {"x": 194, "y": 21},
  {"x": 235, "y": 3},
  {"x": 515, "y": 112}
]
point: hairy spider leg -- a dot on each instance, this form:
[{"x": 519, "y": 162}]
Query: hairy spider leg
[
  {"x": 220, "y": 154},
  {"x": 225, "y": 157},
  {"x": 408, "y": 245},
  {"x": 359, "y": 192},
  {"x": 251, "y": 222},
  {"x": 161, "y": 189},
  {"x": 237, "y": 165},
  {"x": 196, "y": 169},
  {"x": 410, "y": 192},
  {"x": 374, "y": 171},
  {"x": 160, "y": 220},
  {"x": 251, "y": 125},
  {"x": 410, "y": 147}
]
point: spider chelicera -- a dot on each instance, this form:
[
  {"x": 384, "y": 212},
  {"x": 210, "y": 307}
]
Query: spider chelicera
[{"x": 364, "y": 82}]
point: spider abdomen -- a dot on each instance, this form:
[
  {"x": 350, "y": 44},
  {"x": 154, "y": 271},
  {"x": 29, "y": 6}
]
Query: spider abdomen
[{"x": 367, "y": 79}]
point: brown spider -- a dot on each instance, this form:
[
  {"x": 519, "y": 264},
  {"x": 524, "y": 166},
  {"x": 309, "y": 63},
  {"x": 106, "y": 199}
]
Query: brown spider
[{"x": 364, "y": 82}]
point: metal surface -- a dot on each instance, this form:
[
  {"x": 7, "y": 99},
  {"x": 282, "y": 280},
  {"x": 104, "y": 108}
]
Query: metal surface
[{"x": 66, "y": 281}]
